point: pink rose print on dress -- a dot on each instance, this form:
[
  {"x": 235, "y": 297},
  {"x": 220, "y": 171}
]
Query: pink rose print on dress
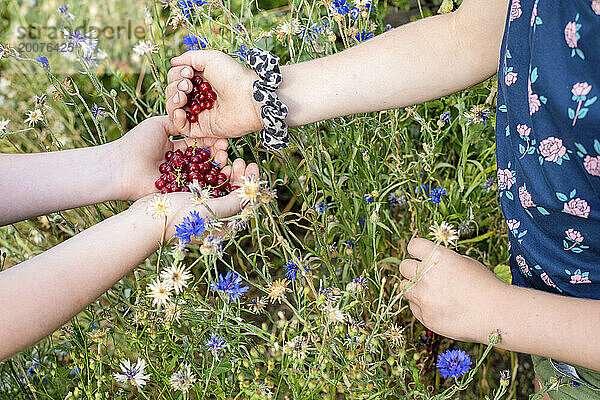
[
  {"x": 506, "y": 179},
  {"x": 510, "y": 78},
  {"x": 573, "y": 241},
  {"x": 525, "y": 198},
  {"x": 513, "y": 227},
  {"x": 572, "y": 37},
  {"x": 524, "y": 132},
  {"x": 534, "y": 16},
  {"x": 523, "y": 265},
  {"x": 515, "y": 10},
  {"x": 553, "y": 150},
  {"x": 534, "y": 100},
  {"x": 577, "y": 207},
  {"x": 596, "y": 6},
  {"x": 544, "y": 276},
  {"x": 590, "y": 163},
  {"x": 578, "y": 277},
  {"x": 580, "y": 91}
]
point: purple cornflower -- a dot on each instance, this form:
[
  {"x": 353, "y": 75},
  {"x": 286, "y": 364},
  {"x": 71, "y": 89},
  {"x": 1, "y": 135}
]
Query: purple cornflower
[
  {"x": 435, "y": 196},
  {"x": 454, "y": 363},
  {"x": 64, "y": 11},
  {"x": 445, "y": 117},
  {"x": 43, "y": 61},
  {"x": 97, "y": 111},
  {"x": 310, "y": 33},
  {"x": 350, "y": 244},
  {"x": 216, "y": 344},
  {"x": 242, "y": 53},
  {"x": 340, "y": 7},
  {"x": 192, "y": 42},
  {"x": 188, "y": 6},
  {"x": 489, "y": 183},
  {"x": 292, "y": 269},
  {"x": 191, "y": 226},
  {"x": 363, "y": 35},
  {"x": 321, "y": 207},
  {"x": 368, "y": 198},
  {"x": 230, "y": 285}
]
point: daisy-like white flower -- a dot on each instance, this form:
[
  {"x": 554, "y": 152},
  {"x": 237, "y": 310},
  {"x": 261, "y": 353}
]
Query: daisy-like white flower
[
  {"x": 443, "y": 233},
  {"x": 177, "y": 19},
  {"x": 478, "y": 115},
  {"x": 148, "y": 20},
  {"x": 250, "y": 190},
  {"x": 258, "y": 305},
  {"x": 34, "y": 116},
  {"x": 395, "y": 334},
  {"x": 160, "y": 292},
  {"x": 212, "y": 245},
  {"x": 3, "y": 124},
  {"x": 176, "y": 276},
  {"x": 287, "y": 29},
  {"x": 159, "y": 206},
  {"x": 183, "y": 379},
  {"x": 334, "y": 315},
  {"x": 132, "y": 374},
  {"x": 172, "y": 312},
  {"x": 145, "y": 47},
  {"x": 199, "y": 194},
  {"x": 97, "y": 335},
  {"x": 296, "y": 347},
  {"x": 277, "y": 290}
]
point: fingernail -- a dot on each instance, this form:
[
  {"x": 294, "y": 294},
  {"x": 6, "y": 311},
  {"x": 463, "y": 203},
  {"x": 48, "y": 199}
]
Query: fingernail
[
  {"x": 176, "y": 98},
  {"x": 186, "y": 73},
  {"x": 183, "y": 85}
]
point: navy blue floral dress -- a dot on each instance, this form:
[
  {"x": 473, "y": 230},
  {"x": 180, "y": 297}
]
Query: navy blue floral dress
[{"x": 548, "y": 144}]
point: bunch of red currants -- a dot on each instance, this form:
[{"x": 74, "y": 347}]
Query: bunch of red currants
[
  {"x": 194, "y": 164},
  {"x": 199, "y": 99}
]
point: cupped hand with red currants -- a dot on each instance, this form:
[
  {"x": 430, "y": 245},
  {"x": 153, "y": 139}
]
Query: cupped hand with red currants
[
  {"x": 209, "y": 94},
  {"x": 148, "y": 162}
]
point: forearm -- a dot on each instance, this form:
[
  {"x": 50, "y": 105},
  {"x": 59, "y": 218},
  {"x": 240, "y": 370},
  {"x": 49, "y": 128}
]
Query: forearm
[
  {"x": 41, "y": 294},
  {"x": 37, "y": 184},
  {"x": 414, "y": 63},
  {"x": 535, "y": 322}
]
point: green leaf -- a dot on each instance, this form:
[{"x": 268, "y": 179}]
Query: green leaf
[
  {"x": 502, "y": 271},
  {"x": 580, "y": 147},
  {"x": 521, "y": 148},
  {"x": 561, "y": 196},
  {"x": 582, "y": 113},
  {"x": 573, "y": 193},
  {"x": 543, "y": 211},
  {"x": 571, "y": 113},
  {"x": 597, "y": 145},
  {"x": 534, "y": 75},
  {"x": 223, "y": 367},
  {"x": 591, "y": 101}
]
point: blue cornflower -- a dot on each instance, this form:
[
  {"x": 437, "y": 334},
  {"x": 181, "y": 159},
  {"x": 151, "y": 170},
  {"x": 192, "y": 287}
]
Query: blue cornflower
[
  {"x": 75, "y": 371},
  {"x": 360, "y": 281},
  {"x": 350, "y": 244},
  {"x": 230, "y": 285},
  {"x": 424, "y": 188},
  {"x": 368, "y": 198},
  {"x": 445, "y": 117},
  {"x": 387, "y": 27},
  {"x": 436, "y": 195},
  {"x": 478, "y": 115},
  {"x": 321, "y": 207},
  {"x": 97, "y": 111},
  {"x": 340, "y": 7},
  {"x": 489, "y": 183},
  {"x": 193, "y": 226},
  {"x": 310, "y": 33},
  {"x": 242, "y": 53},
  {"x": 363, "y": 35},
  {"x": 292, "y": 269},
  {"x": 192, "y": 42},
  {"x": 188, "y": 6},
  {"x": 64, "y": 11},
  {"x": 43, "y": 61},
  {"x": 454, "y": 363},
  {"x": 216, "y": 344},
  {"x": 363, "y": 221}
]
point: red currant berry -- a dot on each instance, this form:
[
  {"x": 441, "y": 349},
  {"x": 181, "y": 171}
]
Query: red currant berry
[
  {"x": 202, "y": 97},
  {"x": 194, "y": 167},
  {"x": 226, "y": 187},
  {"x": 218, "y": 193},
  {"x": 195, "y": 176},
  {"x": 164, "y": 190},
  {"x": 168, "y": 155},
  {"x": 204, "y": 155},
  {"x": 234, "y": 187},
  {"x": 208, "y": 105},
  {"x": 222, "y": 176},
  {"x": 163, "y": 168},
  {"x": 159, "y": 184},
  {"x": 197, "y": 80},
  {"x": 193, "y": 118},
  {"x": 210, "y": 178},
  {"x": 195, "y": 91},
  {"x": 185, "y": 189},
  {"x": 211, "y": 96},
  {"x": 178, "y": 153},
  {"x": 195, "y": 160},
  {"x": 205, "y": 87},
  {"x": 171, "y": 178},
  {"x": 196, "y": 108},
  {"x": 205, "y": 167}
]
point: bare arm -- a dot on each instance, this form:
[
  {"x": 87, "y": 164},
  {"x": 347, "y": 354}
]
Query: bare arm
[
  {"x": 414, "y": 63},
  {"x": 68, "y": 277},
  {"x": 411, "y": 64}
]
